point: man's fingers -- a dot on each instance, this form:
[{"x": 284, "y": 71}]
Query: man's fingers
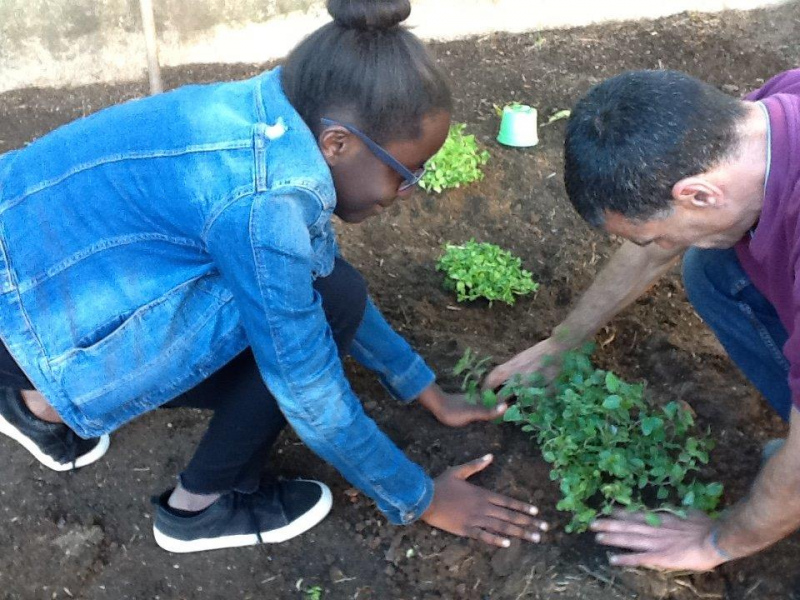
[
  {"x": 469, "y": 469},
  {"x": 630, "y": 541},
  {"x": 652, "y": 560},
  {"x": 622, "y": 514},
  {"x": 618, "y": 526},
  {"x": 496, "y": 377}
]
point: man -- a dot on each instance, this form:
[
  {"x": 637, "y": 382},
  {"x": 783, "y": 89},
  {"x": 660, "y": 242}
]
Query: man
[{"x": 677, "y": 167}]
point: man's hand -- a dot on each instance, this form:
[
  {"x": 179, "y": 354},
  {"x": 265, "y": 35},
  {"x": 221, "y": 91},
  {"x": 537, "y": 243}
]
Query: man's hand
[
  {"x": 454, "y": 411},
  {"x": 468, "y": 510},
  {"x": 676, "y": 544},
  {"x": 543, "y": 358}
]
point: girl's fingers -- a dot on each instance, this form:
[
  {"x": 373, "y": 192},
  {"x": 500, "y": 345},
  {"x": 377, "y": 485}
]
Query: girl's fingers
[
  {"x": 517, "y": 518},
  {"x": 481, "y": 413},
  {"x": 489, "y": 538},
  {"x": 469, "y": 469},
  {"x": 505, "y": 501},
  {"x": 510, "y": 530}
]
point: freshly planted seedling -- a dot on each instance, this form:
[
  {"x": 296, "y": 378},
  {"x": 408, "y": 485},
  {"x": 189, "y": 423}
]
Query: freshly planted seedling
[
  {"x": 313, "y": 593},
  {"x": 559, "y": 115},
  {"x": 473, "y": 369},
  {"x": 481, "y": 270},
  {"x": 458, "y": 162},
  {"x": 608, "y": 446}
]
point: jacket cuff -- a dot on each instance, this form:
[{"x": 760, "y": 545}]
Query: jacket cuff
[
  {"x": 414, "y": 511},
  {"x": 409, "y": 384}
]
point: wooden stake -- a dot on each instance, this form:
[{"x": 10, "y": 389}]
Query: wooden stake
[{"x": 151, "y": 43}]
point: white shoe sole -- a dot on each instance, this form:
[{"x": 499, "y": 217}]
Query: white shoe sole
[
  {"x": 95, "y": 454},
  {"x": 300, "y": 525}
]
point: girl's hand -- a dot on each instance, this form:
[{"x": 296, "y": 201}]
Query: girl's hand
[
  {"x": 468, "y": 510},
  {"x": 453, "y": 409}
]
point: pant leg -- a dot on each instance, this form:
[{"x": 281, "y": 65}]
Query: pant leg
[
  {"x": 10, "y": 374},
  {"x": 247, "y": 419},
  {"x": 744, "y": 321}
]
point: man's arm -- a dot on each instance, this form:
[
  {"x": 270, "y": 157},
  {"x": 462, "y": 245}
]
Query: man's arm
[
  {"x": 631, "y": 270},
  {"x": 769, "y": 513},
  {"x": 772, "y": 510}
]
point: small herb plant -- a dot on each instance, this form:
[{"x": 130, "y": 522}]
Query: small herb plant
[
  {"x": 473, "y": 369},
  {"x": 481, "y": 270},
  {"x": 606, "y": 445},
  {"x": 313, "y": 593},
  {"x": 457, "y": 163}
]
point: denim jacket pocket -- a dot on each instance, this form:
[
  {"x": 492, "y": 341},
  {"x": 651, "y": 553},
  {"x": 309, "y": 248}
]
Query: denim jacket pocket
[{"x": 142, "y": 349}]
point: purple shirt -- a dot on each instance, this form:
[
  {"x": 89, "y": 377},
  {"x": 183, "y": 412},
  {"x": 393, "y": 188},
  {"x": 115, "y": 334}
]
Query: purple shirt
[{"x": 771, "y": 255}]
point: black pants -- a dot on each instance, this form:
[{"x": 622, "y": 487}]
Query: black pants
[{"x": 247, "y": 419}]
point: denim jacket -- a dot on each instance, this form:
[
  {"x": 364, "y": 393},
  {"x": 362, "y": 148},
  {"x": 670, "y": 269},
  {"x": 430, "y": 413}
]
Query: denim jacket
[{"x": 144, "y": 246}]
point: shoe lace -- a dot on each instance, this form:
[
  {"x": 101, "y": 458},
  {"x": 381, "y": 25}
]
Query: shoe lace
[
  {"x": 247, "y": 504},
  {"x": 71, "y": 443}
]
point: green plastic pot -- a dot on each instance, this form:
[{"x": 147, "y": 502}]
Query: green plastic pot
[{"x": 518, "y": 126}]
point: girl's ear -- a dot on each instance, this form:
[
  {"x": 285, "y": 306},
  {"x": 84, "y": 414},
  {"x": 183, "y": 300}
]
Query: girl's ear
[{"x": 336, "y": 143}]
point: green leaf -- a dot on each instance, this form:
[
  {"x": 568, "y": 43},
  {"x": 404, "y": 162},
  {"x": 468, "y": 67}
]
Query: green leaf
[
  {"x": 652, "y": 519},
  {"x": 650, "y": 424},
  {"x": 557, "y": 116},
  {"x": 512, "y": 414},
  {"x": 612, "y": 382},
  {"x": 612, "y": 402}
]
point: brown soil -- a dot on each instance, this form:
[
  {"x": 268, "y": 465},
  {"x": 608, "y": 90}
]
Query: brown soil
[{"x": 87, "y": 534}]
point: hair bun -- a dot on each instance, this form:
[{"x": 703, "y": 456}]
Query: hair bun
[{"x": 369, "y": 15}]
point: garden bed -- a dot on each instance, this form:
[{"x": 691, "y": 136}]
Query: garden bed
[{"x": 88, "y": 534}]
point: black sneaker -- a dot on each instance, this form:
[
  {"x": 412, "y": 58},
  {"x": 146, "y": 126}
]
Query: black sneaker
[
  {"x": 275, "y": 513},
  {"x": 54, "y": 445}
]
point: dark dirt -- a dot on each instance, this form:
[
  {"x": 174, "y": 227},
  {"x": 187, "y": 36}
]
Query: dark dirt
[{"x": 87, "y": 534}]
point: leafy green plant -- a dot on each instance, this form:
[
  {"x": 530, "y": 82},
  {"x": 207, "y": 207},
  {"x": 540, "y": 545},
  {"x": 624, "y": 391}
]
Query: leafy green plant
[
  {"x": 313, "y": 593},
  {"x": 458, "y": 162},
  {"x": 606, "y": 444},
  {"x": 482, "y": 270}
]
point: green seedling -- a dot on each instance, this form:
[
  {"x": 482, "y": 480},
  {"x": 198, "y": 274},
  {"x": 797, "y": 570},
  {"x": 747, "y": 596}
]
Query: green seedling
[
  {"x": 498, "y": 110},
  {"x": 473, "y": 369},
  {"x": 314, "y": 592},
  {"x": 607, "y": 446},
  {"x": 559, "y": 115},
  {"x": 481, "y": 270},
  {"x": 458, "y": 162}
]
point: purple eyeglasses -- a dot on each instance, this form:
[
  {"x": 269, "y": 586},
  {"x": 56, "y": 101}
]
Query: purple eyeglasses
[{"x": 410, "y": 178}]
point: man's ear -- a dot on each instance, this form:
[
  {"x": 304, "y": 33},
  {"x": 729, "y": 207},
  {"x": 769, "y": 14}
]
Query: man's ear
[
  {"x": 336, "y": 143},
  {"x": 697, "y": 192}
]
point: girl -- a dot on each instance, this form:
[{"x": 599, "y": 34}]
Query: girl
[{"x": 178, "y": 250}]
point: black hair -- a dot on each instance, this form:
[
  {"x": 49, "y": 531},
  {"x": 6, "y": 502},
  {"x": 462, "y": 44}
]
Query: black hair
[
  {"x": 632, "y": 137},
  {"x": 365, "y": 64}
]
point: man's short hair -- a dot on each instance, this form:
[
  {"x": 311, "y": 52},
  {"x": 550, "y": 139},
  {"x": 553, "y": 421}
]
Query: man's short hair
[{"x": 632, "y": 137}]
